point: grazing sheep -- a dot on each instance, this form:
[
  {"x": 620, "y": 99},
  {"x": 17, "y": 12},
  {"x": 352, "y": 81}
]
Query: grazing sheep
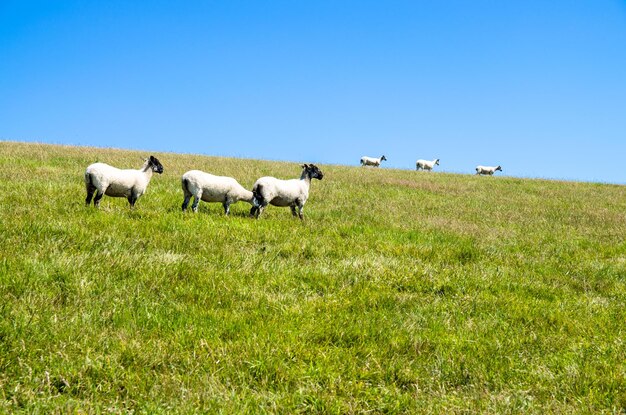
[
  {"x": 293, "y": 193},
  {"x": 371, "y": 161},
  {"x": 212, "y": 188},
  {"x": 426, "y": 165},
  {"x": 487, "y": 170},
  {"x": 111, "y": 181}
]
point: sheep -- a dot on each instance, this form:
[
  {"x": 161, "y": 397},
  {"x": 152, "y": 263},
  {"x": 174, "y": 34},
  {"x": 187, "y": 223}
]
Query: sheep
[
  {"x": 371, "y": 161},
  {"x": 212, "y": 188},
  {"x": 487, "y": 170},
  {"x": 111, "y": 181},
  {"x": 293, "y": 193},
  {"x": 425, "y": 164}
]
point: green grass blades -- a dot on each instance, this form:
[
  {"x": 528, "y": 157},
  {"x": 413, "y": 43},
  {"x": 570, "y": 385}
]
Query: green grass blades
[{"x": 400, "y": 292}]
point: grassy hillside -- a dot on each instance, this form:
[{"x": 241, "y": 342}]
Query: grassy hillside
[{"x": 400, "y": 292}]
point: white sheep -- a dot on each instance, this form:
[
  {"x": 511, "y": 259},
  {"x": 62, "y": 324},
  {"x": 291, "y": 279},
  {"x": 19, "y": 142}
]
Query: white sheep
[
  {"x": 372, "y": 161},
  {"x": 490, "y": 170},
  {"x": 293, "y": 193},
  {"x": 426, "y": 164},
  {"x": 111, "y": 181},
  {"x": 210, "y": 188}
]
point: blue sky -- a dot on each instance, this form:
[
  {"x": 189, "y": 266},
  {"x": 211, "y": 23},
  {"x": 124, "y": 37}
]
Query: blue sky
[{"x": 536, "y": 86}]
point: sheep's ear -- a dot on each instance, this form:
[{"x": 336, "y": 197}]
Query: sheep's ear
[{"x": 305, "y": 166}]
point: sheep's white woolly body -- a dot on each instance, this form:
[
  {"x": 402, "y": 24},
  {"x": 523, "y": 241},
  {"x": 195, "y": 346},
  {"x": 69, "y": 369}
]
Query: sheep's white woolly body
[
  {"x": 372, "y": 161},
  {"x": 490, "y": 170},
  {"x": 111, "y": 181},
  {"x": 211, "y": 188},
  {"x": 426, "y": 164},
  {"x": 116, "y": 182},
  {"x": 293, "y": 193},
  {"x": 284, "y": 192}
]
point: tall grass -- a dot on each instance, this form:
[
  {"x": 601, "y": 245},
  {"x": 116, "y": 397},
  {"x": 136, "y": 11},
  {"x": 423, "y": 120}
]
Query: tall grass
[{"x": 401, "y": 292}]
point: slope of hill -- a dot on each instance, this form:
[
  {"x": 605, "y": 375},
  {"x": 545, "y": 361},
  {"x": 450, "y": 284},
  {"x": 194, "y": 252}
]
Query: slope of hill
[{"x": 401, "y": 291}]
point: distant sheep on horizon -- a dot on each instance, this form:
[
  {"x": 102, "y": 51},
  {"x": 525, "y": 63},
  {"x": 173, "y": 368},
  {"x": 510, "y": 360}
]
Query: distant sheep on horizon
[
  {"x": 426, "y": 164},
  {"x": 372, "y": 161},
  {"x": 490, "y": 170}
]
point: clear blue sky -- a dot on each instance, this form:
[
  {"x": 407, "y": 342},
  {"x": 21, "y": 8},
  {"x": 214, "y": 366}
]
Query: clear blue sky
[{"x": 536, "y": 86}]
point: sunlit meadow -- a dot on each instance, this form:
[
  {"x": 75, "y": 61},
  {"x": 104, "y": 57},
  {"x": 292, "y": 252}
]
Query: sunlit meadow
[{"x": 400, "y": 292}]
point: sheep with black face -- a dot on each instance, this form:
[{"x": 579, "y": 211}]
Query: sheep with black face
[
  {"x": 293, "y": 193},
  {"x": 102, "y": 179}
]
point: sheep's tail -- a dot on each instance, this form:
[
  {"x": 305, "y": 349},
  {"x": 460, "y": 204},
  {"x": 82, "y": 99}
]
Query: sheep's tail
[
  {"x": 257, "y": 196},
  {"x": 89, "y": 180},
  {"x": 257, "y": 201},
  {"x": 185, "y": 184}
]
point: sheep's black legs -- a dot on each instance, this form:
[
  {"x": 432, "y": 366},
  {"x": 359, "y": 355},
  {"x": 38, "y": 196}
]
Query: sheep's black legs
[
  {"x": 132, "y": 199},
  {"x": 297, "y": 212},
  {"x": 258, "y": 203},
  {"x": 226, "y": 207},
  {"x": 90, "y": 192},
  {"x": 194, "y": 206},
  {"x": 255, "y": 211},
  {"x": 96, "y": 200},
  {"x": 186, "y": 202}
]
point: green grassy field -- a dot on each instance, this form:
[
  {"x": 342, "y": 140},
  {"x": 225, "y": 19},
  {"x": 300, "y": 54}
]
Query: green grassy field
[{"x": 401, "y": 292}]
